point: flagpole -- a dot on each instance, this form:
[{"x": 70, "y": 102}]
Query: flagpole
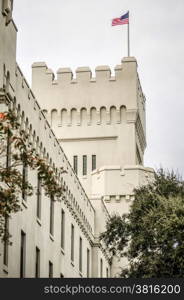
[{"x": 128, "y": 36}]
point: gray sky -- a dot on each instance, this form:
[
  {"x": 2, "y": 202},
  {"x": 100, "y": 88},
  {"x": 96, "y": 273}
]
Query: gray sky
[{"x": 72, "y": 33}]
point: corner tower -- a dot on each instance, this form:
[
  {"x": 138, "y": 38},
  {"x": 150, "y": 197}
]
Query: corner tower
[{"x": 100, "y": 123}]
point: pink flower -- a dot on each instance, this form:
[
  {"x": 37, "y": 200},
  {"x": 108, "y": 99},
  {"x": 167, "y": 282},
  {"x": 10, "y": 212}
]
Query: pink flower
[{"x": 2, "y": 115}]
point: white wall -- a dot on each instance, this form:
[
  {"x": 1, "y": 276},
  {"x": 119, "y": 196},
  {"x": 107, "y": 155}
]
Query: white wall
[{"x": 78, "y": 208}]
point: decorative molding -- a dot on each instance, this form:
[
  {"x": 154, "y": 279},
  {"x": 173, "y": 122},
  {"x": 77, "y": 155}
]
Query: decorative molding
[
  {"x": 103, "y": 115},
  {"x": 88, "y": 138}
]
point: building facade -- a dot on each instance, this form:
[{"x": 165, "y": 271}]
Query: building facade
[{"x": 92, "y": 127}]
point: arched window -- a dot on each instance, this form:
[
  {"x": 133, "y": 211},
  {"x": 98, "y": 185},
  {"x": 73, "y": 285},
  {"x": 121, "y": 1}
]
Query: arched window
[
  {"x": 83, "y": 115},
  {"x": 63, "y": 117},
  {"x": 54, "y": 118},
  {"x": 93, "y": 115},
  {"x": 103, "y": 115},
  {"x": 113, "y": 116},
  {"x": 73, "y": 116},
  {"x": 123, "y": 113},
  {"x": 45, "y": 112}
]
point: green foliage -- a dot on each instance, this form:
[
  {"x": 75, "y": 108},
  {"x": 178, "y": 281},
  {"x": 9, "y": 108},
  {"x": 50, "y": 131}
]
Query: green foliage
[
  {"x": 151, "y": 236},
  {"x": 21, "y": 153},
  {"x": 50, "y": 180}
]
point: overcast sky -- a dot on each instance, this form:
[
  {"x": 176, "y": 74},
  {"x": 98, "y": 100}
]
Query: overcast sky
[{"x": 72, "y": 33}]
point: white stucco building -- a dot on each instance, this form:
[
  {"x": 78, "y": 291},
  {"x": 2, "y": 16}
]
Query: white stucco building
[{"x": 93, "y": 127}]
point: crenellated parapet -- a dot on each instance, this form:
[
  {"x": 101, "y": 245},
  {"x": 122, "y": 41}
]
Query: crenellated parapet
[
  {"x": 79, "y": 105},
  {"x": 115, "y": 185},
  {"x": 87, "y": 99},
  {"x": 82, "y": 74}
]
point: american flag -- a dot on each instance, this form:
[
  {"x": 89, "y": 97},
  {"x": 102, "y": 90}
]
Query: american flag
[{"x": 124, "y": 19}]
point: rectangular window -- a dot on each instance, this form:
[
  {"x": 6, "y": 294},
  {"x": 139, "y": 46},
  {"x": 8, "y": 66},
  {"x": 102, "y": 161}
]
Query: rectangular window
[
  {"x": 101, "y": 268},
  {"x": 6, "y": 220},
  {"x": 50, "y": 269},
  {"x": 93, "y": 162},
  {"x": 62, "y": 229},
  {"x": 88, "y": 262},
  {"x": 75, "y": 164},
  {"x": 6, "y": 237},
  {"x": 8, "y": 151},
  {"x": 80, "y": 254},
  {"x": 107, "y": 272},
  {"x": 22, "y": 254},
  {"x": 37, "y": 265},
  {"x": 52, "y": 216},
  {"x": 72, "y": 243},
  {"x": 24, "y": 180},
  {"x": 39, "y": 194},
  {"x": 84, "y": 168}
]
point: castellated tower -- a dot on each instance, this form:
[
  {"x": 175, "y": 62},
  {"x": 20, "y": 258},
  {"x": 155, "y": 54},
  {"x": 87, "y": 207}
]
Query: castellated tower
[
  {"x": 100, "y": 123},
  {"x": 100, "y": 128}
]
